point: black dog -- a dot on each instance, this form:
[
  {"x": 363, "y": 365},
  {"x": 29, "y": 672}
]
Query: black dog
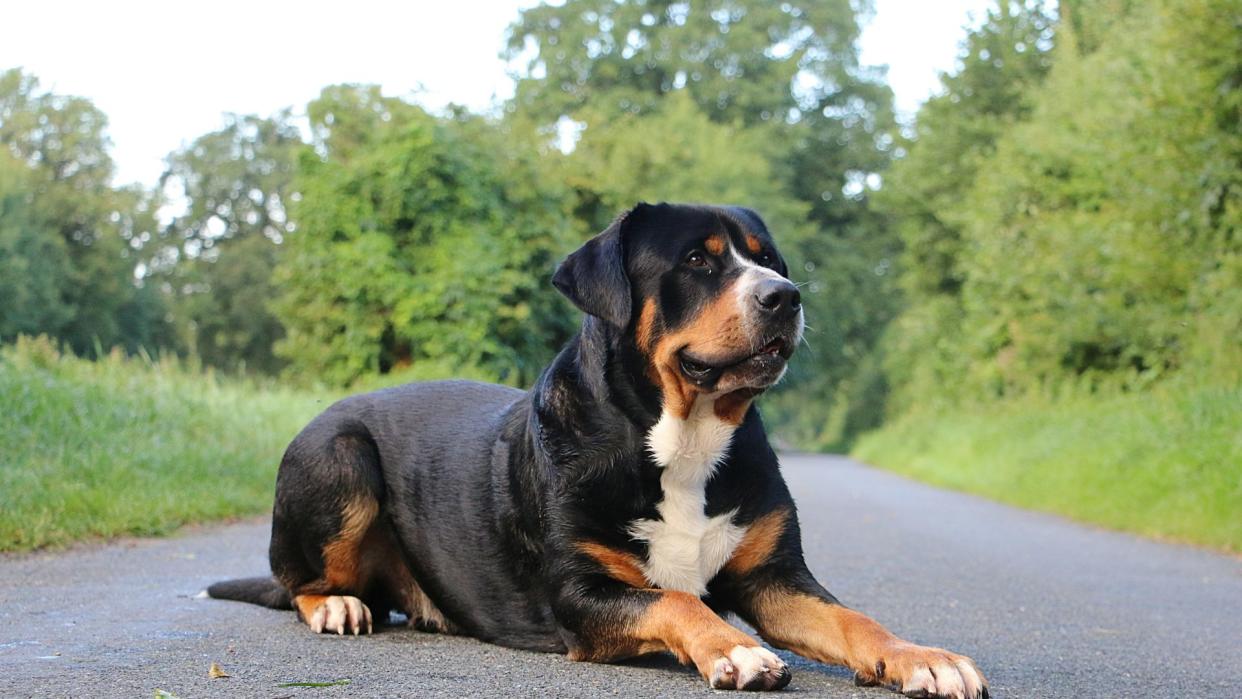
[{"x": 618, "y": 508}]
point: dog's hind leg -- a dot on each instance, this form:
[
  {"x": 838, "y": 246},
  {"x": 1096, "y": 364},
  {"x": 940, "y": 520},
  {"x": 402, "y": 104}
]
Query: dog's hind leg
[
  {"x": 325, "y": 524},
  {"x": 331, "y": 602}
]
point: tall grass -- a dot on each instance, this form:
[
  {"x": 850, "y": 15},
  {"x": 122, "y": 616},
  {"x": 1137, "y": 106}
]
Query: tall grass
[
  {"x": 1165, "y": 461},
  {"x": 132, "y": 446}
]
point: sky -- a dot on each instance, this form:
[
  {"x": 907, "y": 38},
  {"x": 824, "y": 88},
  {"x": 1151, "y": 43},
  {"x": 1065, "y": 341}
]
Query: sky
[{"x": 165, "y": 72}]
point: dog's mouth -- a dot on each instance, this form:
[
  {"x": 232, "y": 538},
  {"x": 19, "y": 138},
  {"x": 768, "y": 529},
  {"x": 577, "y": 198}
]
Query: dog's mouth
[{"x": 762, "y": 367}]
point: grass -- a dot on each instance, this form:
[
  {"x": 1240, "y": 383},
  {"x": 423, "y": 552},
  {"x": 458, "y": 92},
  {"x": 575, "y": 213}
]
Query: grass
[
  {"x": 127, "y": 446},
  {"x": 1165, "y": 462}
]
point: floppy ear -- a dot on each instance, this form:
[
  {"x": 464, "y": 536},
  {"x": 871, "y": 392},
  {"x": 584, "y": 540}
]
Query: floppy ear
[{"x": 594, "y": 277}]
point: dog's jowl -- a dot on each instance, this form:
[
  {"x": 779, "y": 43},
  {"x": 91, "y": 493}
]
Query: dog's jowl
[{"x": 619, "y": 507}]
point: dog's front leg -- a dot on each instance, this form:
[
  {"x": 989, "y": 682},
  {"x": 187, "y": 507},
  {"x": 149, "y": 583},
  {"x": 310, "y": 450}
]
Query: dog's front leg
[
  {"x": 616, "y": 621},
  {"x": 792, "y": 611}
]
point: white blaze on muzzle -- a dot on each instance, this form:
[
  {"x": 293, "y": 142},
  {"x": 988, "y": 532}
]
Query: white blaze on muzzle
[{"x": 746, "y": 289}]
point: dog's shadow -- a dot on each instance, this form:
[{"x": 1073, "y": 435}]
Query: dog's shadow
[
  {"x": 801, "y": 667},
  {"x": 657, "y": 662}
]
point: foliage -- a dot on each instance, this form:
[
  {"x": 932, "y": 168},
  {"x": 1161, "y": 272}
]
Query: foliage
[
  {"x": 1105, "y": 214},
  {"x": 1001, "y": 63},
  {"x": 419, "y": 238},
  {"x": 1073, "y": 334},
  {"x": 67, "y": 235},
  {"x": 749, "y": 62},
  {"x": 34, "y": 266},
  {"x": 674, "y": 153},
  {"x": 365, "y": 226},
  {"x": 216, "y": 257},
  {"x": 130, "y": 446},
  {"x": 754, "y": 103},
  {"x": 1072, "y": 225},
  {"x": 1165, "y": 462}
]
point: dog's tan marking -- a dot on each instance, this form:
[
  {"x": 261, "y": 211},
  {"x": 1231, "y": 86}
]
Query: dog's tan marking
[
  {"x": 620, "y": 565},
  {"x": 831, "y": 633},
  {"x": 342, "y": 557},
  {"x": 421, "y": 612},
  {"x": 681, "y": 624},
  {"x": 715, "y": 330},
  {"x": 731, "y": 407},
  {"x": 646, "y": 325},
  {"x": 715, "y": 244},
  {"x": 753, "y": 244},
  {"x": 761, "y": 539}
]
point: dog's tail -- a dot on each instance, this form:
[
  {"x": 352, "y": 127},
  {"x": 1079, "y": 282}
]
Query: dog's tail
[{"x": 266, "y": 592}]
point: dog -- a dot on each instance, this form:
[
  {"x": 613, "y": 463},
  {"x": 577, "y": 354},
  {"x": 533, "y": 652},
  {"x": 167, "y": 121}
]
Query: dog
[{"x": 620, "y": 507}]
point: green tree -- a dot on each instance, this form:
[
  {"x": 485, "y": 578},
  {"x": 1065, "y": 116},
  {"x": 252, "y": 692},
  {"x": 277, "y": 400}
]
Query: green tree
[
  {"x": 683, "y": 99},
  {"x": 216, "y": 258},
  {"x": 788, "y": 70},
  {"x": 1001, "y": 64},
  {"x": 71, "y": 213},
  {"x": 419, "y": 239},
  {"x": 752, "y": 62},
  {"x": 1102, "y": 222},
  {"x": 673, "y": 153},
  {"x": 1073, "y": 217},
  {"x": 34, "y": 266}
]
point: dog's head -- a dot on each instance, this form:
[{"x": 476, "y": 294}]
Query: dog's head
[{"x": 702, "y": 295}]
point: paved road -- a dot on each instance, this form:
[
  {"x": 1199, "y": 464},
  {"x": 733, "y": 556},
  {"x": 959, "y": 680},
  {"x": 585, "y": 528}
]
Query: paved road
[{"x": 1047, "y": 608}]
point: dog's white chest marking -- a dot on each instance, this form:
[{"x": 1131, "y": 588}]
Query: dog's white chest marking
[{"x": 685, "y": 547}]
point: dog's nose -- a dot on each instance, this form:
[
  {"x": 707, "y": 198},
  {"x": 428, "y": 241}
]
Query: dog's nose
[{"x": 778, "y": 296}]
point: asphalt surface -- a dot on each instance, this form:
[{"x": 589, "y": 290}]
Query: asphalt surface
[{"x": 1046, "y": 607}]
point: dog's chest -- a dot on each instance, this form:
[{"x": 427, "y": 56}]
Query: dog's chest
[{"x": 685, "y": 547}]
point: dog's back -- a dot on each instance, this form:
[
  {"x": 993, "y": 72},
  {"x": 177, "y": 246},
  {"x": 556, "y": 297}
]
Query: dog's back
[{"x": 407, "y": 492}]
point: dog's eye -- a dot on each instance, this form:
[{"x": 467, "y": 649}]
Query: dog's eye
[
  {"x": 696, "y": 259},
  {"x": 765, "y": 259}
]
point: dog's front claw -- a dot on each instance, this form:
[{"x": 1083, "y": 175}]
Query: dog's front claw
[
  {"x": 919, "y": 671},
  {"x": 340, "y": 614},
  {"x": 750, "y": 668}
]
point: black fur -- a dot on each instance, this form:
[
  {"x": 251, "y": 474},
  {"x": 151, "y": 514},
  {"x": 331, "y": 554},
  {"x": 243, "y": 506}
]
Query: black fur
[
  {"x": 264, "y": 591},
  {"x": 594, "y": 277},
  {"x": 488, "y": 490}
]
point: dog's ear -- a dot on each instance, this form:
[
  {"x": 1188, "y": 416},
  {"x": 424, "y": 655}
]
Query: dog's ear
[{"x": 594, "y": 277}]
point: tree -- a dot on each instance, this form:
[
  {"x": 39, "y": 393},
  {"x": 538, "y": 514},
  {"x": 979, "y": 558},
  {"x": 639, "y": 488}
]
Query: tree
[
  {"x": 652, "y": 83},
  {"x": 217, "y": 256},
  {"x": 34, "y": 266},
  {"x": 70, "y": 213},
  {"x": 419, "y": 239},
  {"x": 789, "y": 70},
  {"x": 1100, "y": 223},
  {"x": 751, "y": 62},
  {"x": 674, "y": 153},
  {"x": 1002, "y": 63},
  {"x": 1073, "y": 217}
]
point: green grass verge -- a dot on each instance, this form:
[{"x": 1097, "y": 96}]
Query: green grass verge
[
  {"x": 126, "y": 446},
  {"x": 1166, "y": 462}
]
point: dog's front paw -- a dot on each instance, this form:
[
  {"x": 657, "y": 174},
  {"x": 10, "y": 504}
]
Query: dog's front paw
[
  {"x": 340, "y": 614},
  {"x": 754, "y": 668},
  {"x": 919, "y": 671}
]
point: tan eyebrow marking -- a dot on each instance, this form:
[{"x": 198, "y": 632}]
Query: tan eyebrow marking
[
  {"x": 715, "y": 244},
  {"x": 753, "y": 244}
]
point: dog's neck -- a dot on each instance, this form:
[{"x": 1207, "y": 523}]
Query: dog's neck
[{"x": 614, "y": 372}]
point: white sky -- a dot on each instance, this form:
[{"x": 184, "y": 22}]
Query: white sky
[{"x": 164, "y": 72}]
